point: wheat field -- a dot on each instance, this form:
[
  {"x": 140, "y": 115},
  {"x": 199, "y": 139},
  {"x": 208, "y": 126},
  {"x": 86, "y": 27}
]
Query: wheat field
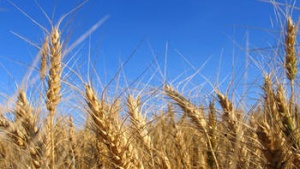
[{"x": 160, "y": 127}]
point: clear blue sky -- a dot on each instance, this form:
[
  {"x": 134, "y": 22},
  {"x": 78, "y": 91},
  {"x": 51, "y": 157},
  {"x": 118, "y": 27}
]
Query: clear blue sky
[{"x": 198, "y": 29}]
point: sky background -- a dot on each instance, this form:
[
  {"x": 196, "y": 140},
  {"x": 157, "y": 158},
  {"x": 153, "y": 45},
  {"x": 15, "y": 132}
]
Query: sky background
[{"x": 213, "y": 31}]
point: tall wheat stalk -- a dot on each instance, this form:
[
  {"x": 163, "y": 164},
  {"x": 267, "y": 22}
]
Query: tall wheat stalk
[
  {"x": 53, "y": 93},
  {"x": 291, "y": 59}
]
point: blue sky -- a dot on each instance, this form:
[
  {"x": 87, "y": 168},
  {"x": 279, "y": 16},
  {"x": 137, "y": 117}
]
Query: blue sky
[{"x": 199, "y": 30}]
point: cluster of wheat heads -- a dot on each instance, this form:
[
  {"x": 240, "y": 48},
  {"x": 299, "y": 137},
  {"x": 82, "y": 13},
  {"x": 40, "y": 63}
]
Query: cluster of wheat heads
[{"x": 117, "y": 134}]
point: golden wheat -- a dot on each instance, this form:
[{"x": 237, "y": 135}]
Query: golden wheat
[{"x": 171, "y": 132}]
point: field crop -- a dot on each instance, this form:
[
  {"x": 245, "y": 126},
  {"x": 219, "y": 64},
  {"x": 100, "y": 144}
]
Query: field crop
[{"x": 158, "y": 127}]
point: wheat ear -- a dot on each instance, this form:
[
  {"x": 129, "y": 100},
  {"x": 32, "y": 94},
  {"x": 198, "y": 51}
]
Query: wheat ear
[
  {"x": 291, "y": 60},
  {"x": 44, "y": 55},
  {"x": 269, "y": 100},
  {"x": 194, "y": 113},
  {"x": 137, "y": 120},
  {"x": 54, "y": 84},
  {"x": 139, "y": 124},
  {"x": 234, "y": 126},
  {"x": 212, "y": 132},
  {"x": 4, "y": 123},
  {"x": 269, "y": 131},
  {"x": 289, "y": 127},
  {"x": 123, "y": 153},
  {"x": 182, "y": 147},
  {"x": 229, "y": 115},
  {"x": 73, "y": 148},
  {"x": 25, "y": 116},
  {"x": 29, "y": 123},
  {"x": 17, "y": 133},
  {"x": 53, "y": 93},
  {"x": 274, "y": 148}
]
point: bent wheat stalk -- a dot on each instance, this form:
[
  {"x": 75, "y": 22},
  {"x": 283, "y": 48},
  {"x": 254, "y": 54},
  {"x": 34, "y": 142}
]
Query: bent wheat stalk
[{"x": 194, "y": 113}]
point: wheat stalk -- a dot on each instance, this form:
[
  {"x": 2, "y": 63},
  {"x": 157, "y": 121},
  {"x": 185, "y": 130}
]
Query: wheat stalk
[
  {"x": 139, "y": 124},
  {"x": 194, "y": 113},
  {"x": 54, "y": 84},
  {"x": 25, "y": 130},
  {"x": 73, "y": 148},
  {"x": 212, "y": 129},
  {"x": 234, "y": 130},
  {"x": 25, "y": 116},
  {"x": 270, "y": 110},
  {"x": 53, "y": 93},
  {"x": 291, "y": 59},
  {"x": 123, "y": 153},
  {"x": 274, "y": 148},
  {"x": 137, "y": 120},
  {"x": 182, "y": 147},
  {"x": 289, "y": 127}
]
